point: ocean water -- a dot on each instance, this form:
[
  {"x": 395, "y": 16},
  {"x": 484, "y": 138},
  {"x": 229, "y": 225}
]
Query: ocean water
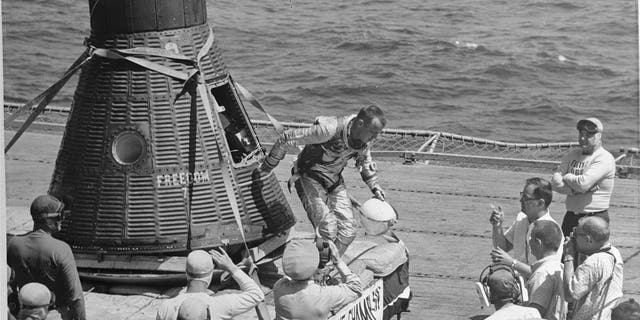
[{"x": 516, "y": 70}]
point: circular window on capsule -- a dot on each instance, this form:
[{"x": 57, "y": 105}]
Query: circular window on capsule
[{"x": 128, "y": 148}]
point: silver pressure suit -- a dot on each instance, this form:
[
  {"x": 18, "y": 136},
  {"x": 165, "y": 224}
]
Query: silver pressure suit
[{"x": 318, "y": 174}]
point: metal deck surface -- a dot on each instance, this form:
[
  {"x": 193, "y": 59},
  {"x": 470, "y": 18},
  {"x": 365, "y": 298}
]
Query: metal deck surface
[{"x": 444, "y": 221}]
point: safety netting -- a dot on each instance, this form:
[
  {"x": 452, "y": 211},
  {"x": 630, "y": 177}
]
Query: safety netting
[
  {"x": 442, "y": 148},
  {"x": 438, "y": 148}
]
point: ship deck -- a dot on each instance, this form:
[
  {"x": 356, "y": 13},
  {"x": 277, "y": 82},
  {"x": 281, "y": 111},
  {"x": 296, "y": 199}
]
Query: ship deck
[{"x": 443, "y": 221}]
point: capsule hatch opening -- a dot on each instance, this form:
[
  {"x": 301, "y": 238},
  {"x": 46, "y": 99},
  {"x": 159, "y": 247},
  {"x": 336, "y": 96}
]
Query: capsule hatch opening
[{"x": 239, "y": 133}]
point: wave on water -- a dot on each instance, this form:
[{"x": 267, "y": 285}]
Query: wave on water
[
  {"x": 445, "y": 108},
  {"x": 374, "y": 2},
  {"x": 554, "y": 5},
  {"x": 542, "y": 39},
  {"x": 509, "y": 70},
  {"x": 478, "y": 68},
  {"x": 613, "y": 28},
  {"x": 462, "y": 47},
  {"x": 566, "y": 67},
  {"x": 371, "y": 45},
  {"x": 465, "y": 45},
  {"x": 541, "y": 107},
  {"x": 381, "y": 73},
  {"x": 410, "y": 31}
]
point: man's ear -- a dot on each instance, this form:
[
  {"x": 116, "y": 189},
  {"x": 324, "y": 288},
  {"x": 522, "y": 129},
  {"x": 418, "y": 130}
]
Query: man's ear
[
  {"x": 360, "y": 123},
  {"x": 541, "y": 202},
  {"x": 589, "y": 239},
  {"x": 538, "y": 242}
]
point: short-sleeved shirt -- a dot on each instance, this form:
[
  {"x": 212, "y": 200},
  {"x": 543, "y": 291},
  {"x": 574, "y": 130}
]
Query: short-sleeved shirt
[
  {"x": 305, "y": 300},
  {"x": 518, "y": 235},
  {"x": 223, "y": 306},
  {"x": 590, "y": 282},
  {"x": 546, "y": 288},
  {"x": 38, "y": 257},
  {"x": 515, "y": 312}
]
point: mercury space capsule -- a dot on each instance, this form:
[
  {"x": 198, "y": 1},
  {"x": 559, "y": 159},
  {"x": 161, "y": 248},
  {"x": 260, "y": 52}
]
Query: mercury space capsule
[{"x": 159, "y": 155}]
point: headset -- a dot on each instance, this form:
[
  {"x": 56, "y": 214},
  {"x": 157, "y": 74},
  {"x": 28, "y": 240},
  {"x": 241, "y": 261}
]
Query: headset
[{"x": 484, "y": 292}]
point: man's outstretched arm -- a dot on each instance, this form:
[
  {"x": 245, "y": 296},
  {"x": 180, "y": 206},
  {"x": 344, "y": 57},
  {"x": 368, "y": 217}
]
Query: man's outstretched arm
[
  {"x": 367, "y": 168},
  {"x": 321, "y": 131},
  {"x": 230, "y": 305}
]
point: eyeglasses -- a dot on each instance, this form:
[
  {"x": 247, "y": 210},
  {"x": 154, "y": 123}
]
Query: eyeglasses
[
  {"x": 587, "y": 133},
  {"x": 588, "y": 125},
  {"x": 526, "y": 197}
]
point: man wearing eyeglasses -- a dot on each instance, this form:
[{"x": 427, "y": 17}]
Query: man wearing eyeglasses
[
  {"x": 38, "y": 257},
  {"x": 594, "y": 285},
  {"x": 534, "y": 205},
  {"x": 586, "y": 176}
]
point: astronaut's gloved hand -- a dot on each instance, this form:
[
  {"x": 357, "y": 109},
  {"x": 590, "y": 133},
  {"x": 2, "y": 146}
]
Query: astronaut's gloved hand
[
  {"x": 266, "y": 167},
  {"x": 378, "y": 193}
]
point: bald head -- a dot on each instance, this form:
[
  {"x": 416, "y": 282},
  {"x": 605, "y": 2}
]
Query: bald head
[
  {"x": 596, "y": 227},
  {"x": 192, "y": 309}
]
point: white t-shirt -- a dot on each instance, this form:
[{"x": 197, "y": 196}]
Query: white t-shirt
[
  {"x": 546, "y": 288},
  {"x": 515, "y": 312},
  {"x": 518, "y": 235}
]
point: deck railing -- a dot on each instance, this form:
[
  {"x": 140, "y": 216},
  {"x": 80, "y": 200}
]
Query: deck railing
[{"x": 434, "y": 147}]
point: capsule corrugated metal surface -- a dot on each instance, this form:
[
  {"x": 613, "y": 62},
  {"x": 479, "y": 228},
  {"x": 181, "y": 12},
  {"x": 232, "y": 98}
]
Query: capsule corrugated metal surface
[{"x": 144, "y": 173}]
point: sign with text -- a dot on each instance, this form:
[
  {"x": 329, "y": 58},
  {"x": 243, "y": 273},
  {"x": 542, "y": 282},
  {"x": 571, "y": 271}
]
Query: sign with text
[
  {"x": 182, "y": 178},
  {"x": 368, "y": 307}
]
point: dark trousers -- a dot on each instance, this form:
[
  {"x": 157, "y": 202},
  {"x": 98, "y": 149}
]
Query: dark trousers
[{"x": 571, "y": 219}]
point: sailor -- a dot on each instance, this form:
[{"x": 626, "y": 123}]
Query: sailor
[
  {"x": 329, "y": 143},
  {"x": 38, "y": 257},
  {"x": 586, "y": 176},
  {"x": 35, "y": 299},
  {"x": 199, "y": 269},
  {"x": 297, "y": 296}
]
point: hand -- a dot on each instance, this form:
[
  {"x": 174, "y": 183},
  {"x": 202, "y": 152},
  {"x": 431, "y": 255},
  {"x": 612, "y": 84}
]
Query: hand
[
  {"x": 569, "y": 247},
  {"x": 265, "y": 167},
  {"x": 335, "y": 253},
  {"x": 222, "y": 260},
  {"x": 501, "y": 257},
  {"x": 497, "y": 216},
  {"x": 378, "y": 193},
  {"x": 556, "y": 180}
]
